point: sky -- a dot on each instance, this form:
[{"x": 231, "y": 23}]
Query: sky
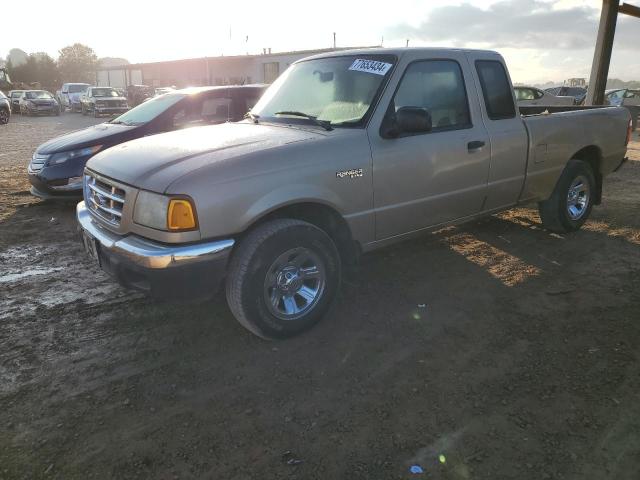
[{"x": 541, "y": 40}]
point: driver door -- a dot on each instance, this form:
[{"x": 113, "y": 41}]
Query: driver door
[{"x": 425, "y": 179}]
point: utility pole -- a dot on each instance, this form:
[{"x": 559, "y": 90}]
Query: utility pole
[
  {"x": 602, "y": 54},
  {"x": 334, "y": 40},
  {"x": 407, "y": 43},
  {"x": 604, "y": 46}
]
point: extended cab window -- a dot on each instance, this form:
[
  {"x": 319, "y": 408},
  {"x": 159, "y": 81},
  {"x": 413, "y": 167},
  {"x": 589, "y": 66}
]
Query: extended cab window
[
  {"x": 438, "y": 87},
  {"x": 496, "y": 90}
]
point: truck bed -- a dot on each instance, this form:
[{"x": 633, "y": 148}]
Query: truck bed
[{"x": 591, "y": 133}]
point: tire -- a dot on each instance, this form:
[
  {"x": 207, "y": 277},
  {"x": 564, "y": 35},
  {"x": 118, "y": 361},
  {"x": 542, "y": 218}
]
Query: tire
[
  {"x": 4, "y": 116},
  {"x": 264, "y": 278},
  {"x": 571, "y": 202}
]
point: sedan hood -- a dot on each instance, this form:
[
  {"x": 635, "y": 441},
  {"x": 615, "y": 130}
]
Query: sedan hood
[
  {"x": 152, "y": 163},
  {"x": 82, "y": 138}
]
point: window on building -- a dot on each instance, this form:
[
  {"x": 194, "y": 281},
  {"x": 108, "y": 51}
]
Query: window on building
[{"x": 271, "y": 71}]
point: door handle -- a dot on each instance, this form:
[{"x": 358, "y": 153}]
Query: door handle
[{"x": 475, "y": 145}]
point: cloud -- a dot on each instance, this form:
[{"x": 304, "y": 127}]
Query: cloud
[{"x": 517, "y": 24}]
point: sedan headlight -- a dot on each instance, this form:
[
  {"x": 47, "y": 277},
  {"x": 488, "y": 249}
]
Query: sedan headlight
[
  {"x": 61, "y": 157},
  {"x": 164, "y": 213}
]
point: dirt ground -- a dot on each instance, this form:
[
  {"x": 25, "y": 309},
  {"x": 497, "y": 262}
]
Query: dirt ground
[{"x": 488, "y": 351}]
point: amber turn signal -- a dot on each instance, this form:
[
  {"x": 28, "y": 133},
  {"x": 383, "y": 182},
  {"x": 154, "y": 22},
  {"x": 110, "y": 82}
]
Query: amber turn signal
[{"x": 181, "y": 215}]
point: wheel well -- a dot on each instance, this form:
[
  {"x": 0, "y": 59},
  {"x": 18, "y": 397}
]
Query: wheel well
[
  {"x": 593, "y": 157},
  {"x": 325, "y": 218}
]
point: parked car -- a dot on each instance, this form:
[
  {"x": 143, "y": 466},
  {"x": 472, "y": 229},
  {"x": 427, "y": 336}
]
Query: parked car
[
  {"x": 579, "y": 93},
  {"x": 56, "y": 167},
  {"x": 535, "y": 96},
  {"x": 102, "y": 100},
  {"x": 14, "y": 98},
  {"x": 346, "y": 152},
  {"x": 69, "y": 95},
  {"x": 622, "y": 96},
  {"x": 136, "y": 94},
  {"x": 5, "y": 109},
  {"x": 162, "y": 90},
  {"x": 38, "y": 102},
  {"x": 627, "y": 98}
]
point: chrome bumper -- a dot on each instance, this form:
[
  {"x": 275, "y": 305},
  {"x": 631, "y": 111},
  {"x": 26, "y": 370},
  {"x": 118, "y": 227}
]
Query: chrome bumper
[{"x": 148, "y": 254}]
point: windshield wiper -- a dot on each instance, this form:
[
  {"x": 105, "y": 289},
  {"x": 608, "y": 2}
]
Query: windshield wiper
[
  {"x": 252, "y": 116},
  {"x": 326, "y": 124}
]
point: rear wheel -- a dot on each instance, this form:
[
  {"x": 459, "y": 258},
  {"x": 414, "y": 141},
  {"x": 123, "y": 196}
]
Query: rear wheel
[
  {"x": 4, "y": 116},
  {"x": 283, "y": 278},
  {"x": 572, "y": 199}
]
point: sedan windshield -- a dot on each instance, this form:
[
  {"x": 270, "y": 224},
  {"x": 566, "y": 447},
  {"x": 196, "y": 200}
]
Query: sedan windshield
[
  {"x": 147, "y": 111},
  {"x": 104, "y": 92},
  {"x": 38, "y": 94},
  {"x": 334, "y": 90}
]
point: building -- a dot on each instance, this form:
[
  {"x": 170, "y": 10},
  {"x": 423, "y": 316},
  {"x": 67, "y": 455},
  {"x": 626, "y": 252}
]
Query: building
[
  {"x": 193, "y": 72},
  {"x": 576, "y": 82}
]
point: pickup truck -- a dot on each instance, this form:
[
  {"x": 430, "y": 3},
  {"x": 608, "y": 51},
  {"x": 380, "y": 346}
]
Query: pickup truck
[
  {"x": 69, "y": 96},
  {"x": 102, "y": 100},
  {"x": 346, "y": 152}
]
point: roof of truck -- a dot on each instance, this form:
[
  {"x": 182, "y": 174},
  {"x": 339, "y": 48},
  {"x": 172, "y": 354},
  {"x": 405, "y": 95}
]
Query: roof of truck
[{"x": 396, "y": 51}]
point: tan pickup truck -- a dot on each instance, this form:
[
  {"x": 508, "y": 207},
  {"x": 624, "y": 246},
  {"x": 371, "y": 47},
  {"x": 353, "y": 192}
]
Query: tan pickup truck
[{"x": 345, "y": 153}]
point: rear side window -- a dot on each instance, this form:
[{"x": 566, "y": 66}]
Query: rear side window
[
  {"x": 437, "y": 86},
  {"x": 495, "y": 89}
]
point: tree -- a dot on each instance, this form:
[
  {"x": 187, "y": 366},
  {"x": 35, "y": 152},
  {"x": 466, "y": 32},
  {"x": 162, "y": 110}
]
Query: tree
[
  {"x": 39, "y": 67},
  {"x": 77, "y": 63}
]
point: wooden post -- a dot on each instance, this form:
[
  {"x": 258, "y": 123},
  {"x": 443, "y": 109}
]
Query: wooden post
[{"x": 602, "y": 54}]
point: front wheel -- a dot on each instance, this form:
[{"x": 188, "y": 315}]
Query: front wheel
[
  {"x": 4, "y": 116},
  {"x": 572, "y": 199},
  {"x": 283, "y": 278}
]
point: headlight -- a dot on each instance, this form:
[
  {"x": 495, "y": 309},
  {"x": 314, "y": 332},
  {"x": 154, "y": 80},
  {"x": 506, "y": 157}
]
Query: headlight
[
  {"x": 164, "y": 213},
  {"x": 58, "y": 158}
]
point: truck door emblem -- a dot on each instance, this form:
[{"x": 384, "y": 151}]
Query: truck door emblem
[{"x": 353, "y": 173}]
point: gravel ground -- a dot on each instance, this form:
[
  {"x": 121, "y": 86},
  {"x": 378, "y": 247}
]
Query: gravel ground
[{"x": 492, "y": 350}]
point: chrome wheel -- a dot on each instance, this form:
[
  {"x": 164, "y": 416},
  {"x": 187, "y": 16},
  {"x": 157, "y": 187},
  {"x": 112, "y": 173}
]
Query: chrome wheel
[
  {"x": 294, "y": 283},
  {"x": 578, "y": 198}
]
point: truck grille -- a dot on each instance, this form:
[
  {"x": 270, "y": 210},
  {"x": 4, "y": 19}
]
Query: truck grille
[
  {"x": 103, "y": 199},
  {"x": 37, "y": 162}
]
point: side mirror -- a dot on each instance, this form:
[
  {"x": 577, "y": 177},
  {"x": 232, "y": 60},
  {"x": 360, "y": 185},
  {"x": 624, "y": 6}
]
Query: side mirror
[
  {"x": 413, "y": 120},
  {"x": 408, "y": 120}
]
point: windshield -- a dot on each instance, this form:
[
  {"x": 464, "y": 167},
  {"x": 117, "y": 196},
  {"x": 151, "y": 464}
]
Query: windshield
[
  {"x": 147, "y": 111},
  {"x": 337, "y": 90},
  {"x": 77, "y": 88},
  {"x": 38, "y": 94},
  {"x": 104, "y": 92}
]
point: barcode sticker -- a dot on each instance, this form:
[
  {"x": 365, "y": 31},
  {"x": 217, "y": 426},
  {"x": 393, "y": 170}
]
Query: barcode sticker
[{"x": 370, "y": 66}]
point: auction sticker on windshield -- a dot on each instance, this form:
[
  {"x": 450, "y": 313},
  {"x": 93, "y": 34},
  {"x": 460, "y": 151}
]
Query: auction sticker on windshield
[{"x": 370, "y": 66}]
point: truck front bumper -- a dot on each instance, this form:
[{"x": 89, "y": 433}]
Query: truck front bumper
[{"x": 165, "y": 271}]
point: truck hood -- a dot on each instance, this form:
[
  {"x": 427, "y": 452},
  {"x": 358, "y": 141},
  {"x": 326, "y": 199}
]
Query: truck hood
[
  {"x": 152, "y": 163},
  {"x": 95, "y": 135}
]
